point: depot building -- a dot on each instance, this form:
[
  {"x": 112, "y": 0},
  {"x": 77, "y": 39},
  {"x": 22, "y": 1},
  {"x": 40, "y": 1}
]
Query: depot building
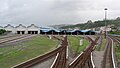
[
  {"x": 33, "y": 29},
  {"x": 20, "y": 29}
]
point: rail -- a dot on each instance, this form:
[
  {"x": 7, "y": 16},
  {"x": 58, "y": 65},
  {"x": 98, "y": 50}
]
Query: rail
[
  {"x": 108, "y": 60},
  {"x": 83, "y": 57}
]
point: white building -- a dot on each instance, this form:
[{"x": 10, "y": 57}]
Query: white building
[
  {"x": 103, "y": 29},
  {"x": 21, "y": 29},
  {"x": 10, "y": 28},
  {"x": 32, "y": 29}
]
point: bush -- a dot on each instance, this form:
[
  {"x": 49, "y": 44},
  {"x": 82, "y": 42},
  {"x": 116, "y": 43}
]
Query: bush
[
  {"x": 114, "y": 32},
  {"x": 2, "y": 31}
]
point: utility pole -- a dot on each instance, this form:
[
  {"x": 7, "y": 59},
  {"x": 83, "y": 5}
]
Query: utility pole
[{"x": 105, "y": 21}]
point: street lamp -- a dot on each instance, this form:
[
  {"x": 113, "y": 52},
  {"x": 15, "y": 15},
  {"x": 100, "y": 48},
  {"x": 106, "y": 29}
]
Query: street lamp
[{"x": 105, "y": 21}]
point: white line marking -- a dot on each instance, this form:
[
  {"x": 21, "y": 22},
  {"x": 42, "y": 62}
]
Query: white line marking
[
  {"x": 67, "y": 53},
  {"x": 76, "y": 58},
  {"x": 92, "y": 60},
  {"x": 54, "y": 60},
  {"x": 113, "y": 55},
  {"x": 31, "y": 59}
]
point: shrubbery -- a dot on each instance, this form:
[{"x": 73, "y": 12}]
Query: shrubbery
[
  {"x": 96, "y": 24},
  {"x": 114, "y": 32},
  {"x": 2, "y": 31}
]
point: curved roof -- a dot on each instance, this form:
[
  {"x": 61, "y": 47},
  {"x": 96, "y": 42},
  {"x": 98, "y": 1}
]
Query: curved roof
[
  {"x": 84, "y": 30},
  {"x": 80, "y": 31},
  {"x": 9, "y": 26},
  {"x": 32, "y": 25},
  {"x": 47, "y": 30},
  {"x": 20, "y": 25},
  {"x": 56, "y": 30}
]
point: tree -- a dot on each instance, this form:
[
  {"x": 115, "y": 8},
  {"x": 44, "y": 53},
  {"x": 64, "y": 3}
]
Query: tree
[
  {"x": 89, "y": 21},
  {"x": 2, "y": 31}
]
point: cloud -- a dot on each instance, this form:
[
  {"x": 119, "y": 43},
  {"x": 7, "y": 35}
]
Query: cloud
[{"x": 50, "y": 12}]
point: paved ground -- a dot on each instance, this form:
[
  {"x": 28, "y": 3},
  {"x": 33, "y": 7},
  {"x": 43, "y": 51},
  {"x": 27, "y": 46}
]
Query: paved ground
[
  {"x": 45, "y": 64},
  {"x": 71, "y": 55},
  {"x": 98, "y": 58}
]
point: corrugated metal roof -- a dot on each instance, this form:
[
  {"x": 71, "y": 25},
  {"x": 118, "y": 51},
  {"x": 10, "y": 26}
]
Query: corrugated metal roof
[
  {"x": 72, "y": 30},
  {"x": 84, "y": 30},
  {"x": 45, "y": 30},
  {"x": 56, "y": 30}
]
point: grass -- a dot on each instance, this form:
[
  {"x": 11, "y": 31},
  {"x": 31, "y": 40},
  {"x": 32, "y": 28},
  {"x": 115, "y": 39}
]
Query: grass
[
  {"x": 76, "y": 47},
  {"x": 117, "y": 52},
  {"x": 104, "y": 41},
  {"x": 12, "y": 55},
  {"x": 101, "y": 47}
]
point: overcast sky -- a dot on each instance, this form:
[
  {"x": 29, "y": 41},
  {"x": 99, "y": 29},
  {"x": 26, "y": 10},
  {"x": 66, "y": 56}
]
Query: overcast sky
[{"x": 51, "y": 12}]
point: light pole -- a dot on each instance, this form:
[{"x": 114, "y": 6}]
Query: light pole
[{"x": 105, "y": 21}]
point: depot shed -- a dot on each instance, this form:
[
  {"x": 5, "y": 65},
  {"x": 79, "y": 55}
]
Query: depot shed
[
  {"x": 63, "y": 32},
  {"x": 87, "y": 32},
  {"x": 32, "y": 29},
  {"x": 53, "y": 32},
  {"x": 49, "y": 31},
  {"x": 44, "y": 30},
  {"x": 21, "y": 29},
  {"x": 10, "y": 29},
  {"x": 74, "y": 32}
]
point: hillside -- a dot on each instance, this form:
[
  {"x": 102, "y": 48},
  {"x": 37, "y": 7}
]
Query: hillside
[{"x": 96, "y": 24}]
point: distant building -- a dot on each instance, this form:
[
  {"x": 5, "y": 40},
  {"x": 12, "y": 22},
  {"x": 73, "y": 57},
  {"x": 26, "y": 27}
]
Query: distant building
[{"x": 103, "y": 29}]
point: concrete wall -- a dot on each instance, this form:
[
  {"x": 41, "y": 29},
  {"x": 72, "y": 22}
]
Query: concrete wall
[
  {"x": 21, "y": 28},
  {"x": 10, "y": 28},
  {"x": 33, "y": 28}
]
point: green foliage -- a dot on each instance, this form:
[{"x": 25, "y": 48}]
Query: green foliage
[
  {"x": 20, "y": 52},
  {"x": 95, "y": 24},
  {"x": 114, "y": 32},
  {"x": 2, "y": 31},
  {"x": 102, "y": 46},
  {"x": 117, "y": 52},
  {"x": 76, "y": 47}
]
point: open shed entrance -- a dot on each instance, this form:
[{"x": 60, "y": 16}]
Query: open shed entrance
[
  {"x": 32, "y": 32},
  {"x": 20, "y": 32}
]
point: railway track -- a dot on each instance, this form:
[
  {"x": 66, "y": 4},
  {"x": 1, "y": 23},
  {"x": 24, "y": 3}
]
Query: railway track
[
  {"x": 60, "y": 60},
  {"x": 8, "y": 39},
  {"x": 108, "y": 60},
  {"x": 7, "y": 36},
  {"x": 116, "y": 39},
  {"x": 38, "y": 59},
  {"x": 61, "y": 57},
  {"x": 59, "y": 39},
  {"x": 80, "y": 61}
]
